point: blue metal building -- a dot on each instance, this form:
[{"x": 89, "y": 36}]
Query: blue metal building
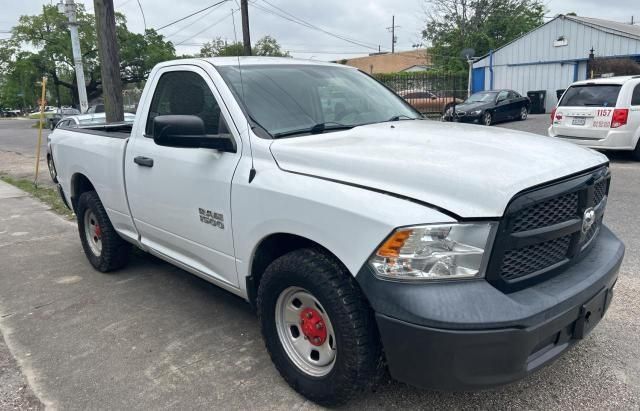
[{"x": 554, "y": 55}]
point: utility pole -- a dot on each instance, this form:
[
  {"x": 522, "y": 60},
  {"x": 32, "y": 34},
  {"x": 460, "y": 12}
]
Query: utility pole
[
  {"x": 109, "y": 60},
  {"x": 470, "y": 63},
  {"x": 69, "y": 10},
  {"x": 246, "y": 36},
  {"x": 392, "y": 29}
]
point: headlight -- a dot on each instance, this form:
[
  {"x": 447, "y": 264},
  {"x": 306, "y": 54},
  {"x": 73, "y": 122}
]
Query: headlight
[
  {"x": 476, "y": 112},
  {"x": 441, "y": 251}
]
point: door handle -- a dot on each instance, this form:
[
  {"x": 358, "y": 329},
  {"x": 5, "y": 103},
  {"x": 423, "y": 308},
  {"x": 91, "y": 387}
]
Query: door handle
[{"x": 143, "y": 161}]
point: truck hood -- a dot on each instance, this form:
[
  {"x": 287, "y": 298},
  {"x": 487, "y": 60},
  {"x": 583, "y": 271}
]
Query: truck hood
[{"x": 468, "y": 170}]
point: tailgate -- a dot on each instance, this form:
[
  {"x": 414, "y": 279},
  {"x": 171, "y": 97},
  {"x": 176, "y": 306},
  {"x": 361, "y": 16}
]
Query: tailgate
[
  {"x": 585, "y": 122},
  {"x": 586, "y": 110}
]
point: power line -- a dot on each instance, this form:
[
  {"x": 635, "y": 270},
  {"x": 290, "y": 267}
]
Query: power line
[
  {"x": 206, "y": 28},
  {"x": 289, "y": 17},
  {"x": 144, "y": 19},
  {"x": 122, "y": 4},
  {"x": 194, "y": 22},
  {"x": 314, "y": 26},
  {"x": 190, "y": 15}
]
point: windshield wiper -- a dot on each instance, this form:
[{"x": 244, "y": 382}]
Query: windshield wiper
[
  {"x": 317, "y": 129},
  {"x": 402, "y": 117}
]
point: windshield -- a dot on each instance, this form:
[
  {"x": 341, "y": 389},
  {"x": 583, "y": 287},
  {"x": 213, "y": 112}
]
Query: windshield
[
  {"x": 481, "y": 97},
  {"x": 591, "y": 95},
  {"x": 301, "y": 99}
]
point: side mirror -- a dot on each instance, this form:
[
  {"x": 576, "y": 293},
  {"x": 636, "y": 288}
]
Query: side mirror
[
  {"x": 186, "y": 131},
  {"x": 500, "y": 100}
]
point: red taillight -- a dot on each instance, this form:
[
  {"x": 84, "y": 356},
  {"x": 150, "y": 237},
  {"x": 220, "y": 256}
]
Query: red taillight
[
  {"x": 620, "y": 116},
  {"x": 553, "y": 114}
]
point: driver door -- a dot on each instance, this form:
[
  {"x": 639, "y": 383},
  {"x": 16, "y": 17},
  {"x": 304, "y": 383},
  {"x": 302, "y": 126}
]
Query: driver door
[
  {"x": 502, "y": 111},
  {"x": 180, "y": 197}
]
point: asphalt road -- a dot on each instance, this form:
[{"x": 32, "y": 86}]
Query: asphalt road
[
  {"x": 154, "y": 336},
  {"x": 19, "y": 136}
]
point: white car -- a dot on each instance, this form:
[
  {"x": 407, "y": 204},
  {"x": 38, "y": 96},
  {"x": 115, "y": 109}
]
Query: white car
[
  {"x": 89, "y": 120},
  {"x": 600, "y": 113},
  {"x": 366, "y": 236}
]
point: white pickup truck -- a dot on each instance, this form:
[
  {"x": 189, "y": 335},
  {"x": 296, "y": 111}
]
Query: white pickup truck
[{"x": 459, "y": 257}]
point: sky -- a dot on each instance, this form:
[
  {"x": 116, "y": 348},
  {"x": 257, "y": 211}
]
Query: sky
[{"x": 361, "y": 24}]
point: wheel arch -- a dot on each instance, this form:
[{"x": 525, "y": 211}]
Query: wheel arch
[
  {"x": 79, "y": 184},
  {"x": 272, "y": 247}
]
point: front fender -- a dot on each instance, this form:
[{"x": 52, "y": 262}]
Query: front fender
[{"x": 348, "y": 221}]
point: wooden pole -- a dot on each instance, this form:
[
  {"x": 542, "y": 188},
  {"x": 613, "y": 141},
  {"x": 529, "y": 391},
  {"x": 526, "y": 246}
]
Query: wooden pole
[
  {"x": 246, "y": 36},
  {"x": 43, "y": 102},
  {"x": 109, "y": 60}
]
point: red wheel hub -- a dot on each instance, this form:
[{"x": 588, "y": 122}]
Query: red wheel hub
[
  {"x": 98, "y": 231},
  {"x": 313, "y": 326}
]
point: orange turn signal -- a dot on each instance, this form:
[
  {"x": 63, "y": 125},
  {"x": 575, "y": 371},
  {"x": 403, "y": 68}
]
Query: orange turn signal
[{"x": 391, "y": 247}]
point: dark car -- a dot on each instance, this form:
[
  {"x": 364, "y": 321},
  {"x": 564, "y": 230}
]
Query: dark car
[{"x": 488, "y": 107}]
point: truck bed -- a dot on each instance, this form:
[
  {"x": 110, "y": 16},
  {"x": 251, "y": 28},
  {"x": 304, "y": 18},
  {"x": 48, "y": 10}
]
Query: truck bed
[{"x": 114, "y": 130}]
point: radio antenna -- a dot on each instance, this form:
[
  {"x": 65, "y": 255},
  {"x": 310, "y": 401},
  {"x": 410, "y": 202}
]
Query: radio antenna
[{"x": 252, "y": 172}]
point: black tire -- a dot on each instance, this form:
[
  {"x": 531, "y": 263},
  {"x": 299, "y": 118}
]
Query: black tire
[
  {"x": 487, "y": 118},
  {"x": 446, "y": 108},
  {"x": 51, "y": 125},
  {"x": 358, "y": 364},
  {"x": 635, "y": 154},
  {"x": 115, "y": 251},
  {"x": 52, "y": 169},
  {"x": 524, "y": 114}
]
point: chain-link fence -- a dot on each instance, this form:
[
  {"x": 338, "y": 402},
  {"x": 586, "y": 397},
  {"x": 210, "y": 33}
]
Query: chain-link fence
[{"x": 430, "y": 92}]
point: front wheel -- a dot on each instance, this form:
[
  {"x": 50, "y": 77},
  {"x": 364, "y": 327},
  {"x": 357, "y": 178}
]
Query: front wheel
[
  {"x": 318, "y": 328},
  {"x": 487, "y": 119},
  {"x": 104, "y": 248}
]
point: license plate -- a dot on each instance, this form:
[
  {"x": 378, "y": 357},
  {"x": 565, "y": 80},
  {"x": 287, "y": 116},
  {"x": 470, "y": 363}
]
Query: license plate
[
  {"x": 591, "y": 313},
  {"x": 579, "y": 121}
]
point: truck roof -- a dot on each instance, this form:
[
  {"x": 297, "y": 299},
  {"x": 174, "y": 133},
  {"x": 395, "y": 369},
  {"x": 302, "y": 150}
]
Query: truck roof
[
  {"x": 606, "y": 80},
  {"x": 246, "y": 61}
]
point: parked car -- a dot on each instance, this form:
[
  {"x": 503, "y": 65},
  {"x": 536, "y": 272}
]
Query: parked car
[
  {"x": 601, "y": 113},
  {"x": 9, "y": 113},
  {"x": 365, "y": 236},
  {"x": 87, "y": 120},
  {"x": 488, "y": 107},
  {"x": 59, "y": 114},
  {"x": 98, "y": 108},
  {"x": 48, "y": 112},
  {"x": 428, "y": 102}
]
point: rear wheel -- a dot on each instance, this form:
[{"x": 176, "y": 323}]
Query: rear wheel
[
  {"x": 524, "y": 113},
  {"x": 636, "y": 153},
  {"x": 318, "y": 328},
  {"x": 487, "y": 119},
  {"x": 52, "y": 169},
  {"x": 104, "y": 248}
]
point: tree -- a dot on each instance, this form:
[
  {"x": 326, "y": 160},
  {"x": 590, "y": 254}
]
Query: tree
[
  {"x": 44, "y": 41},
  {"x": 266, "y": 46},
  {"x": 453, "y": 25}
]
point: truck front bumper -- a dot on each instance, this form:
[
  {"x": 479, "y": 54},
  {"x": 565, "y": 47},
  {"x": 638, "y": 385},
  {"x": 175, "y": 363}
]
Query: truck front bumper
[{"x": 468, "y": 335}]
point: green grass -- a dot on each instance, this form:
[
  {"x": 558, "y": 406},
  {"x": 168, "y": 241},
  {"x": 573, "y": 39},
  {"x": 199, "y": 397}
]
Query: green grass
[{"x": 47, "y": 195}]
